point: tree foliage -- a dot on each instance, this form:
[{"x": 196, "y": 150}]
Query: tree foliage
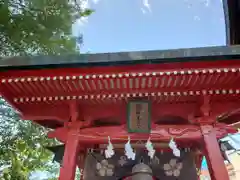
[
  {"x": 29, "y": 27},
  {"x": 21, "y": 145},
  {"x": 38, "y": 26}
]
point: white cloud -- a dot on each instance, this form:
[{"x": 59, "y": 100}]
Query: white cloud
[
  {"x": 147, "y": 4},
  {"x": 143, "y": 10},
  {"x": 206, "y": 3},
  {"x": 196, "y": 18},
  {"x": 146, "y": 7},
  {"x": 95, "y": 1}
]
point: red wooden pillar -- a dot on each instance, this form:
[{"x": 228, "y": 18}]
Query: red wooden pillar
[
  {"x": 68, "y": 169},
  {"x": 215, "y": 161},
  {"x": 198, "y": 162}
]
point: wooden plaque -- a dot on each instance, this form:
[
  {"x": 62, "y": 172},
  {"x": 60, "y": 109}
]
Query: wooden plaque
[{"x": 139, "y": 117}]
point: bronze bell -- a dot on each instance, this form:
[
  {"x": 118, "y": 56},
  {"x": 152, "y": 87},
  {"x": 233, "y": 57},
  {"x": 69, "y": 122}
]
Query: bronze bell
[{"x": 141, "y": 171}]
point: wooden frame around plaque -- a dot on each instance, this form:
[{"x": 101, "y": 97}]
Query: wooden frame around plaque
[{"x": 139, "y": 116}]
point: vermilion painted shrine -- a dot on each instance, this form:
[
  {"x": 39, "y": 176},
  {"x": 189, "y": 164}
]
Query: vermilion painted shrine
[
  {"x": 171, "y": 106},
  {"x": 86, "y": 99}
]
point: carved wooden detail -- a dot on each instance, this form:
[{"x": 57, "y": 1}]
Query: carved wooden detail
[{"x": 158, "y": 133}]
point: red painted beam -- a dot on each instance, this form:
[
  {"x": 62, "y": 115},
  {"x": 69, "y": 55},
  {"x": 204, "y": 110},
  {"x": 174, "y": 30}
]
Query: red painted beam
[{"x": 99, "y": 135}]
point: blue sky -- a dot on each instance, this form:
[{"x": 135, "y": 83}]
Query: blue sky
[{"x": 132, "y": 25}]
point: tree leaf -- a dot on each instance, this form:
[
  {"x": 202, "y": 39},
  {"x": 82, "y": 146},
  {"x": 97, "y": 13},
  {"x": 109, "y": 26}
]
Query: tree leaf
[{"x": 28, "y": 28}]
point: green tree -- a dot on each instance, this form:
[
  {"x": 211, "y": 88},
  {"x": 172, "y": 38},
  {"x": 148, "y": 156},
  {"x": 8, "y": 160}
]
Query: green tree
[
  {"x": 29, "y": 27},
  {"x": 21, "y": 145},
  {"x": 38, "y": 26}
]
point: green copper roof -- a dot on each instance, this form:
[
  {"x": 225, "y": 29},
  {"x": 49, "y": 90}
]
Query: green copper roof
[{"x": 119, "y": 58}]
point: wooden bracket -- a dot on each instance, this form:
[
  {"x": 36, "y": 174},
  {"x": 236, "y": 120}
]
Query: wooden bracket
[
  {"x": 205, "y": 108},
  {"x": 74, "y": 112},
  {"x": 76, "y": 120}
]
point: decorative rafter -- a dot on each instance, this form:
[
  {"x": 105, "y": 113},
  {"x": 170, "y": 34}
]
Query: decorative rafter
[
  {"x": 123, "y": 85},
  {"x": 111, "y": 96},
  {"x": 121, "y": 75}
]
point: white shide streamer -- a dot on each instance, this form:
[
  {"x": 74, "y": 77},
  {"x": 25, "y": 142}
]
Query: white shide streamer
[
  {"x": 129, "y": 150},
  {"x": 150, "y": 148},
  {"x": 173, "y": 146},
  {"x": 109, "y": 152}
]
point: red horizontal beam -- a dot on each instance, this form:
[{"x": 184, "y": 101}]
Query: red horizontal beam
[{"x": 158, "y": 133}]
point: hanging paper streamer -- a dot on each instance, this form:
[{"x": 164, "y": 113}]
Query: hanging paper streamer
[
  {"x": 173, "y": 146},
  {"x": 129, "y": 150},
  {"x": 109, "y": 152},
  {"x": 151, "y": 150}
]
